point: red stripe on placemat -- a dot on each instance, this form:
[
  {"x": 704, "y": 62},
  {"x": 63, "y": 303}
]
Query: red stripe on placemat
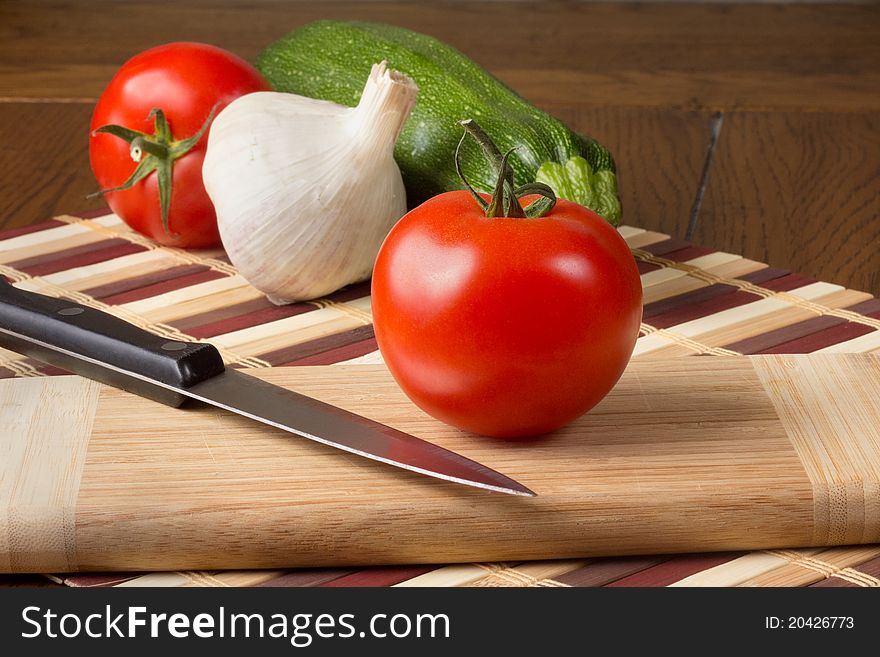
[
  {"x": 27, "y": 230},
  {"x": 710, "y": 292},
  {"x": 834, "y": 582},
  {"x": 25, "y": 264},
  {"x": 663, "y": 247},
  {"x": 687, "y": 253},
  {"x": 790, "y": 335},
  {"x": 163, "y": 286},
  {"x": 605, "y": 571},
  {"x": 238, "y": 317},
  {"x": 812, "y": 334},
  {"x": 382, "y": 576},
  {"x": 820, "y": 339},
  {"x": 257, "y": 312},
  {"x": 676, "y": 569},
  {"x": 128, "y": 284},
  {"x": 871, "y": 567},
  {"x": 710, "y": 306},
  {"x": 349, "y": 351},
  {"x": 645, "y": 267},
  {"x": 679, "y": 300},
  {"x": 351, "y": 292},
  {"x": 761, "y": 343},
  {"x": 297, "y": 352},
  {"x": 83, "y": 256},
  {"x": 763, "y": 275},
  {"x": 788, "y": 282},
  {"x": 308, "y": 577},
  {"x": 93, "y": 214},
  {"x": 871, "y": 308}
]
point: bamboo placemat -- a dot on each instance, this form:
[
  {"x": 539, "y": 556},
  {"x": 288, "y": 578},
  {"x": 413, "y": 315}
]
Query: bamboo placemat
[{"x": 697, "y": 302}]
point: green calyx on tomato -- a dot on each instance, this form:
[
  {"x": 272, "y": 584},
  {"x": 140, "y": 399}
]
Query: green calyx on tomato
[
  {"x": 505, "y": 197},
  {"x": 156, "y": 152}
]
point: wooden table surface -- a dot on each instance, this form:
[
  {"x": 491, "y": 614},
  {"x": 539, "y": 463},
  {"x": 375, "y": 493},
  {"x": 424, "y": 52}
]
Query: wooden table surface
[{"x": 749, "y": 128}]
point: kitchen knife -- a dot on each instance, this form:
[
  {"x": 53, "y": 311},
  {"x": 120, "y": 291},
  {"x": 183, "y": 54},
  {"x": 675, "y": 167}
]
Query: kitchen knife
[{"x": 105, "y": 348}]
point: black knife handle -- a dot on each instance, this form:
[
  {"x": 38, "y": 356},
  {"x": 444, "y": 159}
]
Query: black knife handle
[{"x": 62, "y": 332}]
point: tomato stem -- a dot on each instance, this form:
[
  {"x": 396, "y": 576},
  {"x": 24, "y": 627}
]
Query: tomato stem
[
  {"x": 505, "y": 197},
  {"x": 156, "y": 152},
  {"x": 141, "y": 145}
]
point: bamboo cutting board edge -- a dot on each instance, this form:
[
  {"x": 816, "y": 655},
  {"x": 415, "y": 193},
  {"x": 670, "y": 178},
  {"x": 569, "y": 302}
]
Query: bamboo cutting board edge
[{"x": 266, "y": 522}]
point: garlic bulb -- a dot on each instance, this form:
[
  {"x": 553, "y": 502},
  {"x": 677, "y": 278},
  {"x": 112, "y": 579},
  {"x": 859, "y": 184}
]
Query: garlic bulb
[{"x": 306, "y": 190}]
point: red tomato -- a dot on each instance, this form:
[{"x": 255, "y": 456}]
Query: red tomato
[
  {"x": 505, "y": 326},
  {"x": 185, "y": 80}
]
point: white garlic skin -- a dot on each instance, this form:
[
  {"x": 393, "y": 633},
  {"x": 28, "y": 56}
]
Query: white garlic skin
[{"x": 306, "y": 190}]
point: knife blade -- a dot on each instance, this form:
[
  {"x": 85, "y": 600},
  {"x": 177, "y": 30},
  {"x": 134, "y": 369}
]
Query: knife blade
[{"x": 103, "y": 347}]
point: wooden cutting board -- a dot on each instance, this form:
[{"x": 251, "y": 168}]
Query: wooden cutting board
[{"x": 687, "y": 454}]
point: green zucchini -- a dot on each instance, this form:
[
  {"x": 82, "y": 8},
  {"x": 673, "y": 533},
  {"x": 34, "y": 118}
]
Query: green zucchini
[{"x": 332, "y": 59}]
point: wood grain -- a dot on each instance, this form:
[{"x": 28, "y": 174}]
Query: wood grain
[
  {"x": 50, "y": 153},
  {"x": 789, "y": 58},
  {"x": 46, "y": 429},
  {"x": 44, "y": 162},
  {"x": 800, "y": 191},
  {"x": 692, "y": 56},
  {"x": 847, "y": 505},
  {"x": 659, "y": 153},
  {"x": 683, "y": 455}
]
